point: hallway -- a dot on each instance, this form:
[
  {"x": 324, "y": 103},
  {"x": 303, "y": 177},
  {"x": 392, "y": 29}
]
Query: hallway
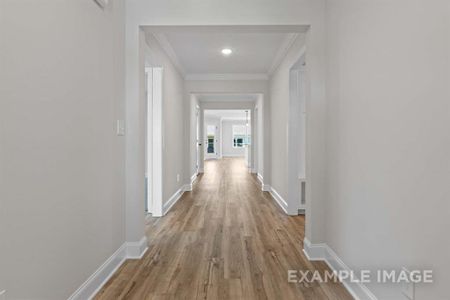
[
  {"x": 336, "y": 110},
  {"x": 224, "y": 240}
]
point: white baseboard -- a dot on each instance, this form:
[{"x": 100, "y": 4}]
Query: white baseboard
[
  {"x": 260, "y": 178},
  {"x": 314, "y": 252},
  {"x": 135, "y": 250},
  {"x": 187, "y": 187},
  {"x": 129, "y": 250},
  {"x": 280, "y": 201},
  {"x": 94, "y": 283},
  {"x": 174, "y": 199},
  {"x": 193, "y": 177},
  {"x": 323, "y": 252},
  {"x": 266, "y": 188}
]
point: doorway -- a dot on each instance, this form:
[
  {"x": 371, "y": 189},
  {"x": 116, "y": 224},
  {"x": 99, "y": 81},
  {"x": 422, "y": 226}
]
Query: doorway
[
  {"x": 222, "y": 109},
  {"x": 297, "y": 139},
  {"x": 227, "y": 133},
  {"x": 212, "y": 141}
]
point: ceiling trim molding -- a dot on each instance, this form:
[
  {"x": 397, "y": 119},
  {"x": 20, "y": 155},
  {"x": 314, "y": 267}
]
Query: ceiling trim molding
[
  {"x": 167, "y": 47},
  {"x": 227, "y": 76},
  {"x": 276, "y": 28},
  {"x": 232, "y": 119},
  {"x": 282, "y": 51}
]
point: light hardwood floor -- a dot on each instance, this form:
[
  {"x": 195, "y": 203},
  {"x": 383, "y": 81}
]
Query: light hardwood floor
[{"x": 224, "y": 240}]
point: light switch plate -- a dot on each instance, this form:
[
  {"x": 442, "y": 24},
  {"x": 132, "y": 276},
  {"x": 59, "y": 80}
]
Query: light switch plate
[{"x": 120, "y": 127}]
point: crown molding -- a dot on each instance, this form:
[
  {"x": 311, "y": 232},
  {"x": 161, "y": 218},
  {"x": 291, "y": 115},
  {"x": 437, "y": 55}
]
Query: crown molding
[
  {"x": 255, "y": 28},
  {"x": 282, "y": 51},
  {"x": 232, "y": 119},
  {"x": 227, "y": 76},
  {"x": 167, "y": 47}
]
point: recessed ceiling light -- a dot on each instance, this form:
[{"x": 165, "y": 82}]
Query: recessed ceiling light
[{"x": 226, "y": 51}]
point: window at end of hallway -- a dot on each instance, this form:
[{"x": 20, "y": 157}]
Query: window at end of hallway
[{"x": 241, "y": 136}]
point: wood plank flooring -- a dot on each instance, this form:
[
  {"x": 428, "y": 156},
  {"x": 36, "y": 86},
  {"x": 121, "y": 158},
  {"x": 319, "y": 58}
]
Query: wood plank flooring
[{"x": 224, "y": 240}]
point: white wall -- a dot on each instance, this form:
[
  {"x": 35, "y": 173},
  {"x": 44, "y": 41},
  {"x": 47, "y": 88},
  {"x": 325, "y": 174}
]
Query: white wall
[
  {"x": 62, "y": 165},
  {"x": 388, "y": 138},
  {"x": 227, "y": 139}
]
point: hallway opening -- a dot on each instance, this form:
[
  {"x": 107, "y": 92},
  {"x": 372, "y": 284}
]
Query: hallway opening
[
  {"x": 228, "y": 133},
  {"x": 297, "y": 140},
  {"x": 224, "y": 151},
  {"x": 227, "y": 125}
]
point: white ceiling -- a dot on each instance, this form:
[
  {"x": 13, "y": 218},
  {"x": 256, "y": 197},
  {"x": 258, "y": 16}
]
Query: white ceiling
[
  {"x": 226, "y": 114},
  {"x": 199, "y": 52},
  {"x": 196, "y": 50}
]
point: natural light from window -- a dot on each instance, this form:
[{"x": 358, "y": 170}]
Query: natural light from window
[{"x": 241, "y": 136}]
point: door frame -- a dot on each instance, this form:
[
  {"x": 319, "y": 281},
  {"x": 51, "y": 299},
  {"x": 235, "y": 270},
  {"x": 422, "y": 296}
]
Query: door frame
[
  {"x": 296, "y": 136},
  {"x": 217, "y": 137},
  {"x": 154, "y": 140}
]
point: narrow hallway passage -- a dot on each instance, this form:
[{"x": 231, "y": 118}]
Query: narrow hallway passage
[{"x": 224, "y": 240}]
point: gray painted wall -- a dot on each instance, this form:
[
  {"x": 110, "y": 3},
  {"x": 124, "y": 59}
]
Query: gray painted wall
[
  {"x": 388, "y": 139},
  {"x": 62, "y": 164}
]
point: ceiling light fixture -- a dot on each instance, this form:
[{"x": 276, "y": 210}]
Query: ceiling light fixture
[{"x": 226, "y": 51}]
